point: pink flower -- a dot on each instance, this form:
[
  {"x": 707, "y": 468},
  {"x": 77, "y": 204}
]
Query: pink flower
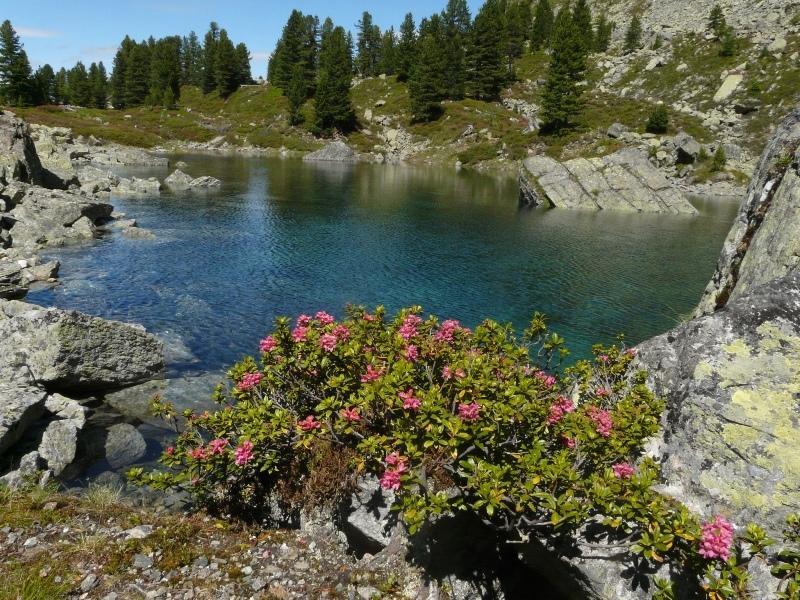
[
  {"x": 631, "y": 352},
  {"x": 602, "y": 392},
  {"x": 390, "y": 480},
  {"x": 623, "y": 470},
  {"x": 299, "y": 333},
  {"x": 341, "y": 332},
  {"x": 603, "y": 358},
  {"x": 372, "y": 374},
  {"x": 249, "y": 381},
  {"x": 309, "y": 423},
  {"x": 559, "y": 408},
  {"x": 469, "y": 412},
  {"x": 268, "y": 344},
  {"x": 328, "y": 342},
  {"x": 395, "y": 460},
  {"x": 244, "y": 453},
  {"x": 568, "y": 442},
  {"x": 370, "y": 318},
  {"x": 217, "y": 446},
  {"x": 324, "y": 318},
  {"x": 716, "y": 539},
  {"x": 448, "y": 373},
  {"x": 409, "y": 327},
  {"x": 198, "y": 453},
  {"x": 170, "y": 450},
  {"x": 410, "y": 402},
  {"x": 602, "y": 420},
  {"x": 303, "y": 321},
  {"x": 446, "y": 331},
  {"x": 548, "y": 380},
  {"x": 412, "y": 353},
  {"x": 351, "y": 414}
]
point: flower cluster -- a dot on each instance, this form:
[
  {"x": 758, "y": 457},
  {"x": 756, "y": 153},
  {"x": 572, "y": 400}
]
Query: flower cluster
[
  {"x": 559, "y": 408},
  {"x": 410, "y": 401},
  {"x": 409, "y": 327},
  {"x": 602, "y": 420},
  {"x": 249, "y": 381},
  {"x": 396, "y": 466},
  {"x": 469, "y": 412},
  {"x": 244, "y": 453},
  {"x": 716, "y": 539},
  {"x": 623, "y": 470}
]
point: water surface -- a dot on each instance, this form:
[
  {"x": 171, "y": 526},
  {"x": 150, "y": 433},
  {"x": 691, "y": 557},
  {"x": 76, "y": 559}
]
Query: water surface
[{"x": 283, "y": 237}]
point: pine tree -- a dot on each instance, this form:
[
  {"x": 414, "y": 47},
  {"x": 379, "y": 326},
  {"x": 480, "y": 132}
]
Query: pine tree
[
  {"x": 80, "y": 88},
  {"x": 542, "y": 25},
  {"x": 516, "y": 20},
  {"x": 137, "y": 75},
  {"x": 16, "y": 81},
  {"x": 728, "y": 42},
  {"x": 61, "y": 94},
  {"x": 561, "y": 100},
  {"x": 227, "y": 72},
  {"x": 45, "y": 85},
  {"x": 296, "y": 94},
  {"x": 289, "y": 50},
  {"x": 210, "y": 44},
  {"x": 602, "y": 35},
  {"x": 119, "y": 74},
  {"x": 719, "y": 160},
  {"x": 426, "y": 83},
  {"x": 310, "y": 53},
  {"x": 165, "y": 69},
  {"x": 191, "y": 60},
  {"x": 388, "y": 53},
  {"x": 716, "y": 20},
  {"x": 456, "y": 23},
  {"x": 333, "y": 108},
  {"x": 98, "y": 84},
  {"x": 658, "y": 121},
  {"x": 633, "y": 37},
  {"x": 406, "y": 48},
  {"x": 486, "y": 69},
  {"x": 243, "y": 74},
  {"x": 369, "y": 46},
  {"x": 582, "y": 17}
]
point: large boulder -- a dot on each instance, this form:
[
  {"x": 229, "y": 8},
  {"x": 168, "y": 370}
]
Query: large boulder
[
  {"x": 68, "y": 350},
  {"x": 55, "y": 218},
  {"x": 116, "y": 155},
  {"x": 623, "y": 181},
  {"x": 336, "y": 151},
  {"x": 18, "y": 158},
  {"x": 180, "y": 181},
  {"x": 136, "y": 186},
  {"x": 12, "y": 281},
  {"x": 52, "y": 146},
  {"x": 21, "y": 405}
]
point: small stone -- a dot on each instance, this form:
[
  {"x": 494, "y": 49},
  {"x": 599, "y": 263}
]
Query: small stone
[
  {"x": 139, "y": 532},
  {"x": 50, "y": 506},
  {"x": 141, "y": 561},
  {"x": 30, "y": 542},
  {"x": 89, "y": 582},
  {"x": 248, "y": 570},
  {"x": 200, "y": 562},
  {"x": 258, "y": 584},
  {"x": 302, "y": 565}
]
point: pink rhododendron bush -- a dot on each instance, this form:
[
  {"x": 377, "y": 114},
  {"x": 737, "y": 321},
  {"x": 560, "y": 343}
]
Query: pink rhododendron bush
[{"x": 448, "y": 419}]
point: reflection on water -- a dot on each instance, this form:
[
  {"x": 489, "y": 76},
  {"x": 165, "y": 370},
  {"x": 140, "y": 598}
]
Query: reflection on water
[{"x": 284, "y": 237}]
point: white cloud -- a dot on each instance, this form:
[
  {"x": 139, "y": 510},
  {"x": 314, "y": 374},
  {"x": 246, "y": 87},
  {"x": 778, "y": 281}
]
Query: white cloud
[
  {"x": 33, "y": 32},
  {"x": 260, "y": 56}
]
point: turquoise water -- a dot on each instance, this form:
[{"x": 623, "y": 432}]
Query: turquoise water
[{"x": 282, "y": 237}]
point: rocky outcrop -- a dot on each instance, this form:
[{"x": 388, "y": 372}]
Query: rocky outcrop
[
  {"x": 136, "y": 186},
  {"x": 180, "y": 181},
  {"x": 763, "y": 243},
  {"x": 334, "y": 152},
  {"x": 624, "y": 181},
  {"x": 18, "y": 158}
]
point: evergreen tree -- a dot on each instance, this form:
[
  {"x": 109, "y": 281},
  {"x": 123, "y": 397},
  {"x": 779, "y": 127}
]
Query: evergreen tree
[
  {"x": 98, "y": 83},
  {"x": 137, "y": 75},
  {"x": 333, "y": 108},
  {"x": 426, "y": 83},
  {"x": 728, "y": 42},
  {"x": 310, "y": 53},
  {"x": 165, "y": 70},
  {"x": 658, "y": 121},
  {"x": 602, "y": 34},
  {"x": 719, "y": 160},
  {"x": 406, "y": 48},
  {"x": 633, "y": 37},
  {"x": 369, "y": 46},
  {"x": 542, "y": 25},
  {"x": 516, "y": 20},
  {"x": 582, "y": 17},
  {"x": 561, "y": 100},
  {"x": 227, "y": 72},
  {"x": 119, "y": 74},
  {"x": 44, "y": 85},
  {"x": 16, "y": 81},
  {"x": 289, "y": 50},
  {"x": 486, "y": 69},
  {"x": 296, "y": 94},
  {"x": 80, "y": 88},
  {"x": 61, "y": 92},
  {"x": 210, "y": 44},
  {"x": 191, "y": 60},
  {"x": 456, "y": 23},
  {"x": 716, "y": 21},
  {"x": 243, "y": 74},
  {"x": 388, "y": 53}
]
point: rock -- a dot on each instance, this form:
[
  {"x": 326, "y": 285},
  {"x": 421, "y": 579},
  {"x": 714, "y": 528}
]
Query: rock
[
  {"x": 368, "y": 115},
  {"x": 728, "y": 87},
  {"x": 654, "y": 62},
  {"x": 368, "y": 518},
  {"x": 89, "y": 582},
  {"x": 68, "y": 350},
  {"x": 139, "y": 532},
  {"x": 616, "y": 130},
  {"x": 137, "y": 186},
  {"x": 682, "y": 68},
  {"x": 27, "y": 472},
  {"x": 138, "y": 233},
  {"x": 18, "y": 158},
  {"x": 116, "y": 155},
  {"x": 21, "y": 405},
  {"x": 142, "y": 561},
  {"x": 12, "y": 281},
  {"x": 45, "y": 272},
  {"x": 686, "y": 148},
  {"x": 762, "y": 244},
  {"x": 59, "y": 446},
  {"x": 335, "y": 151},
  {"x": 52, "y": 148},
  {"x": 778, "y": 45},
  {"x": 624, "y": 181},
  {"x": 179, "y": 181},
  {"x": 124, "y": 445},
  {"x": 181, "y": 165}
]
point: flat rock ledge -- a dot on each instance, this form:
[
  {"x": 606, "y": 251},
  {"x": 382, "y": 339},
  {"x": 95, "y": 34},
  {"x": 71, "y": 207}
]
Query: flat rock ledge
[{"x": 623, "y": 181}]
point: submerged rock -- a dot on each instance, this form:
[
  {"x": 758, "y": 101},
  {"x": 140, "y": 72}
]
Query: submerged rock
[
  {"x": 124, "y": 445},
  {"x": 624, "y": 181},
  {"x": 335, "y": 151}
]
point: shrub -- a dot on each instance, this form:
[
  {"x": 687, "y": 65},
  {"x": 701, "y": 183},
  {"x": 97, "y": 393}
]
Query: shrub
[
  {"x": 719, "y": 159},
  {"x": 449, "y": 420},
  {"x": 478, "y": 153},
  {"x": 658, "y": 121}
]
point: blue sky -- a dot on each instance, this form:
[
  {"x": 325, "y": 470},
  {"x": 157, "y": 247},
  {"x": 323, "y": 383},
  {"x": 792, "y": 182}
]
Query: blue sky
[{"x": 61, "y": 32}]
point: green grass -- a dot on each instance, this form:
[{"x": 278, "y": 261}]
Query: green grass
[{"x": 24, "y": 580}]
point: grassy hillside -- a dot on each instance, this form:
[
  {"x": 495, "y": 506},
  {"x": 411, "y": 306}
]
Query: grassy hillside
[{"x": 258, "y": 115}]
